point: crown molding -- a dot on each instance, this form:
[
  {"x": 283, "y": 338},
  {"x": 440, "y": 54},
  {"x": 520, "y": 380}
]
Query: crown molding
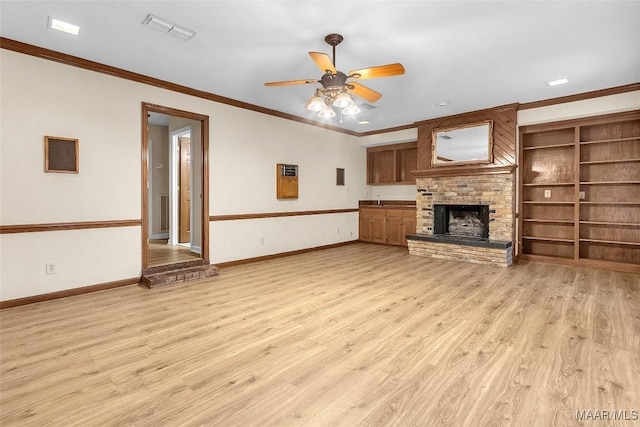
[
  {"x": 51, "y": 55},
  {"x": 86, "y": 64}
]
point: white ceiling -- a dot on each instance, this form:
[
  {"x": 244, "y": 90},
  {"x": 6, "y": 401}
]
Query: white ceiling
[{"x": 473, "y": 54}]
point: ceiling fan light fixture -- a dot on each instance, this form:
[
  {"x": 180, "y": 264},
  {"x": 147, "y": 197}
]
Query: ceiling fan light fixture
[
  {"x": 326, "y": 113},
  {"x": 315, "y": 104},
  {"x": 343, "y": 100},
  {"x": 351, "y": 110},
  {"x": 335, "y": 91}
]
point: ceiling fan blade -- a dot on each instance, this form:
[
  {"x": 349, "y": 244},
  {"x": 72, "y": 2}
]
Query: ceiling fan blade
[
  {"x": 380, "y": 71},
  {"x": 323, "y": 61},
  {"x": 363, "y": 92},
  {"x": 291, "y": 82}
]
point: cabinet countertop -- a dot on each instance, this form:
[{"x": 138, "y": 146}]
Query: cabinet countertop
[{"x": 388, "y": 204}]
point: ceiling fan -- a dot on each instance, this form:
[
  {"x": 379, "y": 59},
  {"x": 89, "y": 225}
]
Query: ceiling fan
[{"x": 336, "y": 90}]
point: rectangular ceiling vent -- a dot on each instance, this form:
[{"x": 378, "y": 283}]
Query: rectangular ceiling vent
[
  {"x": 368, "y": 106},
  {"x": 165, "y": 26}
]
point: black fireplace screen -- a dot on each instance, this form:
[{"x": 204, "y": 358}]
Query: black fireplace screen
[{"x": 462, "y": 220}]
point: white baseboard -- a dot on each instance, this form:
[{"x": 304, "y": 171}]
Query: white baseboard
[{"x": 196, "y": 249}]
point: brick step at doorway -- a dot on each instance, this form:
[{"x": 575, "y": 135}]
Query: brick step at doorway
[{"x": 178, "y": 275}]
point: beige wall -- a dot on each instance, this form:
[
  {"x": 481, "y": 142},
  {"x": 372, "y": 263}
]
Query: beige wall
[
  {"x": 572, "y": 110},
  {"x": 40, "y": 97}
]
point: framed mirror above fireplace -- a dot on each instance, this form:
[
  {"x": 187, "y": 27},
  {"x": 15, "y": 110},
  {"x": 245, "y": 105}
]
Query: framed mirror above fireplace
[{"x": 461, "y": 145}]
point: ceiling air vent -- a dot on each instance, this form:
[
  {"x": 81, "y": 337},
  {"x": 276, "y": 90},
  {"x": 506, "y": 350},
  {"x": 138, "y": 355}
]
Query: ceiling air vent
[
  {"x": 368, "y": 106},
  {"x": 165, "y": 26}
]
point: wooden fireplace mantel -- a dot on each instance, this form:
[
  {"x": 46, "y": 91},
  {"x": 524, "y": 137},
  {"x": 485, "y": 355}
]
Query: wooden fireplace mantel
[{"x": 464, "y": 170}]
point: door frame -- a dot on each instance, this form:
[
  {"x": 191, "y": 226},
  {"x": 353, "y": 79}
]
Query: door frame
[{"x": 204, "y": 135}]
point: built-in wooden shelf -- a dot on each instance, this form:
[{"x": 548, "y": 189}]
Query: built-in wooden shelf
[
  {"x": 550, "y": 184},
  {"x": 549, "y": 221},
  {"x": 610, "y": 242},
  {"x": 604, "y": 162},
  {"x": 598, "y": 225},
  {"x": 611, "y": 203},
  {"x": 604, "y": 141},
  {"x": 615, "y": 224},
  {"x": 548, "y": 239},
  {"x": 532, "y": 202},
  {"x": 609, "y": 182},
  {"x": 542, "y": 147}
]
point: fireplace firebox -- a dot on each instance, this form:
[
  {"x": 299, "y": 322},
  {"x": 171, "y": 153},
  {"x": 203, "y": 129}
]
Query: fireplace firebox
[{"x": 461, "y": 220}]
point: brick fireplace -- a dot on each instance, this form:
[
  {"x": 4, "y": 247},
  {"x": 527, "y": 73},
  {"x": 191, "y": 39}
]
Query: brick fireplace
[
  {"x": 489, "y": 187},
  {"x": 490, "y": 194}
]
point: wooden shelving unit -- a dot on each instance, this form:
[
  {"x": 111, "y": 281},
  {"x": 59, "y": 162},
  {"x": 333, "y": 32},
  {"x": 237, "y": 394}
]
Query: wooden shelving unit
[{"x": 580, "y": 191}]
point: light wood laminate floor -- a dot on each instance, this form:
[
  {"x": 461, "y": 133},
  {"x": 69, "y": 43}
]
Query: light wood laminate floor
[
  {"x": 357, "y": 335},
  {"x": 160, "y": 253}
]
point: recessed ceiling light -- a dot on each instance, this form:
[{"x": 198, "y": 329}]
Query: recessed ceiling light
[
  {"x": 557, "y": 82},
  {"x": 65, "y": 27},
  {"x": 443, "y": 103},
  {"x": 363, "y": 122}
]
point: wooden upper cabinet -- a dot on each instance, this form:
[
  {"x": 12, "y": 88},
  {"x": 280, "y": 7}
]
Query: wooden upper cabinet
[{"x": 392, "y": 164}]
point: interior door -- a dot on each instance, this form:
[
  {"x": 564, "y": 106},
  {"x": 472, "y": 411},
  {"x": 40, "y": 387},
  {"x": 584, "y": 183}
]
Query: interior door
[
  {"x": 184, "y": 233},
  {"x": 174, "y": 124}
]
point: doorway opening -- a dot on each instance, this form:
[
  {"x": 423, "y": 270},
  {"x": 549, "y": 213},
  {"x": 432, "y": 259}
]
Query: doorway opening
[{"x": 175, "y": 188}]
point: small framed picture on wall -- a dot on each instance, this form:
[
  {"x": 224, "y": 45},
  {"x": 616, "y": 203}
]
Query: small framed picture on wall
[{"x": 60, "y": 154}]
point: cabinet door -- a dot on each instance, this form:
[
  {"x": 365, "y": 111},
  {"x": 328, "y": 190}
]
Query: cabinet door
[
  {"x": 365, "y": 227},
  {"x": 409, "y": 225},
  {"x": 395, "y": 230},
  {"x": 378, "y": 229}
]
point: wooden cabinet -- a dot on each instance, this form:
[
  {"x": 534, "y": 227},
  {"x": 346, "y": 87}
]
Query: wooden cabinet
[
  {"x": 387, "y": 225},
  {"x": 400, "y": 222},
  {"x": 392, "y": 164},
  {"x": 373, "y": 223},
  {"x": 580, "y": 191},
  {"x": 286, "y": 181}
]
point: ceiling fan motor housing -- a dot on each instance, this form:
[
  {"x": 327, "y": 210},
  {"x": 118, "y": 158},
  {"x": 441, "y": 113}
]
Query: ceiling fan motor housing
[{"x": 333, "y": 81}]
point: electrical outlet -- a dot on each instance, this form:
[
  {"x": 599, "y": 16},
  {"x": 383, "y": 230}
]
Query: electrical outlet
[
  {"x": 547, "y": 193},
  {"x": 338, "y": 232},
  {"x": 51, "y": 268},
  {"x": 262, "y": 241},
  {"x": 583, "y": 195}
]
